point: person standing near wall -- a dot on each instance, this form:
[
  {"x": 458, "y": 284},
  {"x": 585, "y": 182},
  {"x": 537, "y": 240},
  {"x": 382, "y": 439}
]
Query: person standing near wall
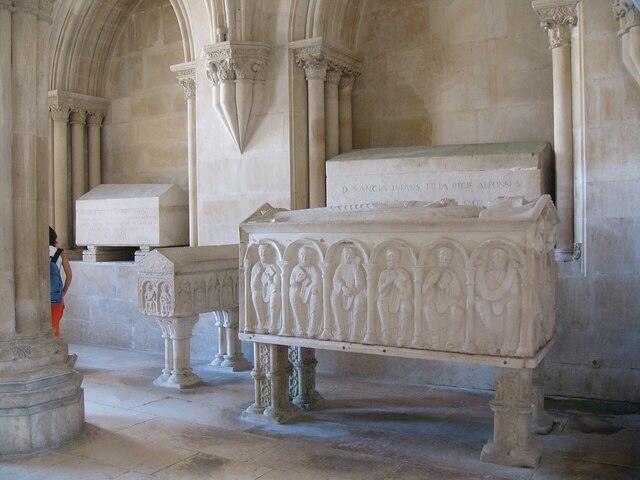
[{"x": 59, "y": 258}]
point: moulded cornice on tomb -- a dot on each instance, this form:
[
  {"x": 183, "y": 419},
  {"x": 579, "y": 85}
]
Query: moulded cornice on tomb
[
  {"x": 556, "y": 18},
  {"x": 237, "y": 72}
]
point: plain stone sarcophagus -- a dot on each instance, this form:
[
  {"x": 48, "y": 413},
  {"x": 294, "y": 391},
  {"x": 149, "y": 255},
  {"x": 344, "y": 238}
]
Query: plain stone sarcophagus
[
  {"x": 149, "y": 215},
  {"x": 419, "y": 278},
  {"x": 468, "y": 174}
]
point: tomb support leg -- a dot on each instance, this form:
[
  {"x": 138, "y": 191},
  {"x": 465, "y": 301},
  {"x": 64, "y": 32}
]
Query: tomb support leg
[
  {"x": 179, "y": 330},
  {"x": 542, "y": 421},
  {"x": 222, "y": 340},
  {"x": 233, "y": 357},
  {"x": 302, "y": 383},
  {"x": 512, "y": 407},
  {"x": 281, "y": 409},
  {"x": 262, "y": 385}
]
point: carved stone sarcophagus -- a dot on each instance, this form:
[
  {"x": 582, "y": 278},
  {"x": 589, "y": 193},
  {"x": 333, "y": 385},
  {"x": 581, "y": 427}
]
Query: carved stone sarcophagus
[
  {"x": 175, "y": 285},
  {"x": 406, "y": 280}
]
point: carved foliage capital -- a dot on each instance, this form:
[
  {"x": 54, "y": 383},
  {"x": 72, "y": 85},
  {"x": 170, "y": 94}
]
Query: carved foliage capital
[
  {"x": 78, "y": 115},
  {"x": 557, "y": 21},
  {"x": 188, "y": 83},
  {"x": 59, "y": 113},
  {"x": 627, "y": 14},
  {"x": 95, "y": 118},
  {"x": 236, "y": 62}
]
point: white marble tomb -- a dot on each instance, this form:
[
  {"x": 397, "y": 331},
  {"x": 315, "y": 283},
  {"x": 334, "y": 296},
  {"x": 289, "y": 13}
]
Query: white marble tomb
[
  {"x": 138, "y": 215},
  {"x": 468, "y": 174},
  {"x": 423, "y": 280}
]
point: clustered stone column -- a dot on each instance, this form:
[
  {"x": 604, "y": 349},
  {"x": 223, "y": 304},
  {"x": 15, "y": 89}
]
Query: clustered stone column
[
  {"x": 330, "y": 72},
  {"x": 78, "y": 117},
  {"x": 42, "y": 402},
  {"x": 556, "y": 18},
  {"x": 186, "y": 74},
  {"x": 628, "y": 14}
]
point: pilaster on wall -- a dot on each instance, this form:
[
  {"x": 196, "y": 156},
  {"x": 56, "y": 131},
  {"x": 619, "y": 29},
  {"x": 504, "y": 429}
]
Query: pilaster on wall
[
  {"x": 330, "y": 72},
  {"x": 627, "y": 12},
  {"x": 83, "y": 116},
  {"x": 237, "y": 72},
  {"x": 559, "y": 18}
]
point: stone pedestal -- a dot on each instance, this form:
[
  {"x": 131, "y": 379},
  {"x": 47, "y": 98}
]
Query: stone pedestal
[{"x": 511, "y": 405}]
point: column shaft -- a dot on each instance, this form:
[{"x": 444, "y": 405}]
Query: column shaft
[
  {"x": 345, "y": 113},
  {"x": 563, "y": 146},
  {"x": 60, "y": 176},
  {"x": 192, "y": 171},
  {"x": 24, "y": 173},
  {"x": 95, "y": 161},
  {"x": 332, "y": 125},
  {"x": 78, "y": 163},
  {"x": 7, "y": 290},
  {"x": 317, "y": 153}
]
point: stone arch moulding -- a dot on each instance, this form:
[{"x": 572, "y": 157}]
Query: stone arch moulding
[{"x": 237, "y": 72}]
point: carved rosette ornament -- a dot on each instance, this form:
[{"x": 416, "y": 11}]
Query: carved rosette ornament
[
  {"x": 557, "y": 18},
  {"x": 237, "y": 72}
]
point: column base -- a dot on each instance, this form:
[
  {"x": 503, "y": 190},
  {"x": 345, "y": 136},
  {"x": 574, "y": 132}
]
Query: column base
[
  {"x": 518, "y": 457},
  {"x": 42, "y": 404},
  {"x": 237, "y": 363},
  {"x": 307, "y": 404},
  {"x": 178, "y": 381},
  {"x": 269, "y": 415},
  {"x": 217, "y": 361},
  {"x": 542, "y": 422}
]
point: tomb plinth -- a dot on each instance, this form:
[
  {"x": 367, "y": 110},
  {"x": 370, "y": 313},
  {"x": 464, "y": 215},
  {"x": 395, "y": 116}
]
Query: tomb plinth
[
  {"x": 434, "y": 281},
  {"x": 468, "y": 174},
  {"x": 175, "y": 285},
  {"x": 111, "y": 217}
]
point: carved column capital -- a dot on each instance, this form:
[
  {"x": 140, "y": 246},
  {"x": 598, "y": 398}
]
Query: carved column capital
[
  {"x": 59, "y": 113},
  {"x": 315, "y": 66},
  {"x": 40, "y": 8},
  {"x": 627, "y": 13},
  {"x": 334, "y": 74},
  {"x": 556, "y": 18},
  {"x": 236, "y": 61},
  {"x": 95, "y": 118},
  {"x": 78, "y": 115},
  {"x": 186, "y": 76}
]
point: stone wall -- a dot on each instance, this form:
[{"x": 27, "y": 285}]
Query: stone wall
[
  {"x": 441, "y": 72},
  {"x": 145, "y": 139}
]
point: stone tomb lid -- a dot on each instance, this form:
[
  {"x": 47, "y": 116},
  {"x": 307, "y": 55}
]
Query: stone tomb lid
[
  {"x": 181, "y": 260},
  {"x": 145, "y": 195},
  {"x": 483, "y": 156},
  {"x": 446, "y": 211}
]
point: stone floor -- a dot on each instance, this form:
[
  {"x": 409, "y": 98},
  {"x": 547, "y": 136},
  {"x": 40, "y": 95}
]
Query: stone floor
[{"x": 370, "y": 431}]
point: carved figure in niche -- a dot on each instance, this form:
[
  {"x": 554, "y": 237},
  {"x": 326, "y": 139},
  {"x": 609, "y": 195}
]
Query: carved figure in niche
[
  {"x": 265, "y": 291},
  {"x": 304, "y": 294},
  {"x": 444, "y": 303},
  {"x": 199, "y": 300},
  {"x": 348, "y": 298},
  {"x": 184, "y": 296},
  {"x": 214, "y": 293},
  {"x": 498, "y": 303},
  {"x": 150, "y": 305},
  {"x": 227, "y": 292},
  {"x": 395, "y": 300},
  {"x": 165, "y": 300}
]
